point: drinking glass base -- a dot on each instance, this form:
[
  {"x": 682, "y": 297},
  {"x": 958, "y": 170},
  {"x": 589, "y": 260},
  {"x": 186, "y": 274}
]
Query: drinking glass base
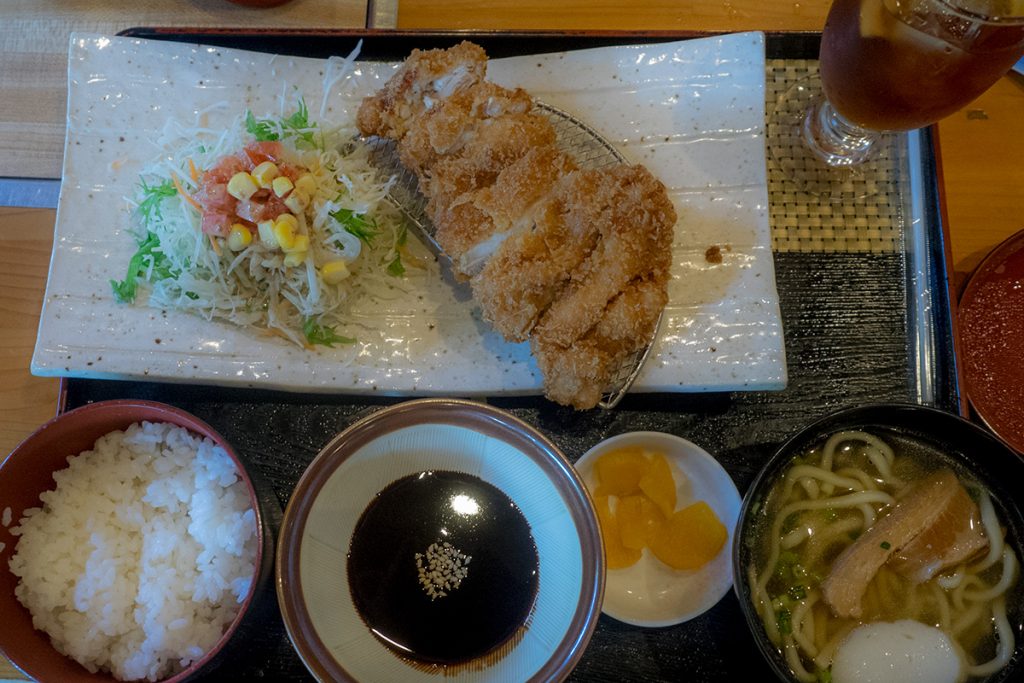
[{"x": 805, "y": 143}]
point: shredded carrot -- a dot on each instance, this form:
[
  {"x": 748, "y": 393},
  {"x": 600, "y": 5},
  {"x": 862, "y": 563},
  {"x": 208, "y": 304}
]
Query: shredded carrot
[
  {"x": 214, "y": 244},
  {"x": 185, "y": 195},
  {"x": 192, "y": 171}
]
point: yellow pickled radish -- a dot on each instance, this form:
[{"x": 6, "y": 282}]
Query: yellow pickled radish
[
  {"x": 690, "y": 538},
  {"x": 639, "y": 520},
  {"x": 616, "y": 554},
  {"x": 659, "y": 484},
  {"x": 619, "y": 471}
]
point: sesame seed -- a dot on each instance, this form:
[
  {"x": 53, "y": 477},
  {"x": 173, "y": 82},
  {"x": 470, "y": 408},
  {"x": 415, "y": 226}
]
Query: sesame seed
[{"x": 443, "y": 570}]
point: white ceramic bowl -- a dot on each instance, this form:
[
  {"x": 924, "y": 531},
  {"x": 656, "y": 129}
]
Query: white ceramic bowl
[
  {"x": 438, "y": 435},
  {"x": 650, "y": 593}
]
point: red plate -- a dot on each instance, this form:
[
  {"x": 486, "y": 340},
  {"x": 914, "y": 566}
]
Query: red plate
[{"x": 992, "y": 340}]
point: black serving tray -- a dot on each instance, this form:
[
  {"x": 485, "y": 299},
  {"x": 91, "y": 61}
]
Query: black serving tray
[{"x": 856, "y": 331}]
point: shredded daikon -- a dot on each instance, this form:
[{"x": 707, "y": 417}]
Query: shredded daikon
[{"x": 347, "y": 218}]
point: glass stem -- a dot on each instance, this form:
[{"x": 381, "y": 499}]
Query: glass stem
[{"x": 835, "y": 139}]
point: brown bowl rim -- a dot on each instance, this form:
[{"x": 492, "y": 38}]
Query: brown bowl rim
[{"x": 180, "y": 418}]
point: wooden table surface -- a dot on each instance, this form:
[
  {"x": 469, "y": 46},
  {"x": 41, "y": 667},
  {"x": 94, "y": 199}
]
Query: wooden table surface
[{"x": 982, "y": 147}]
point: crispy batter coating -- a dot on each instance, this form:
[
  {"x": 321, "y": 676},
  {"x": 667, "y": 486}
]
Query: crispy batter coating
[
  {"x": 576, "y": 375},
  {"x": 473, "y": 217},
  {"x": 575, "y": 261},
  {"x": 479, "y": 119},
  {"x": 426, "y": 77},
  {"x": 533, "y": 266},
  {"x": 635, "y": 221}
]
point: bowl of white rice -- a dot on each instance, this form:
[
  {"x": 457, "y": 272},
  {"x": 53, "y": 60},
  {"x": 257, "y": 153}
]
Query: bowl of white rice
[{"x": 132, "y": 546}]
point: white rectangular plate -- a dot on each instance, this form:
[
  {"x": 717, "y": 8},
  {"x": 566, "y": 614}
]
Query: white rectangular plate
[{"x": 692, "y": 111}]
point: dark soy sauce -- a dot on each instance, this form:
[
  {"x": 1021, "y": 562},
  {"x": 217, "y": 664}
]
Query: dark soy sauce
[{"x": 490, "y": 565}]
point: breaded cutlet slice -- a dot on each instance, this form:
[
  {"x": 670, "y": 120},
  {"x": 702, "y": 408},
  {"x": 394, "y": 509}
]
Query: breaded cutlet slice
[
  {"x": 531, "y": 268},
  {"x": 451, "y": 125},
  {"x": 578, "y": 375},
  {"x": 471, "y": 224},
  {"x": 425, "y": 78},
  {"x": 636, "y": 234}
]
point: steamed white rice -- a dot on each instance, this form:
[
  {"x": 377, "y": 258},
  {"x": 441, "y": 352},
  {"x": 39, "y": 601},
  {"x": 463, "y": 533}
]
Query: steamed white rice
[{"x": 138, "y": 560}]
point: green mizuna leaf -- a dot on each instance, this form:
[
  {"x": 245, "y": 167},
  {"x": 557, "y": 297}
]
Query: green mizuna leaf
[{"x": 325, "y": 336}]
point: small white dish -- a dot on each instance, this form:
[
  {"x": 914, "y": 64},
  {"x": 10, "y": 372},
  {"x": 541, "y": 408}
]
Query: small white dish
[{"x": 650, "y": 593}]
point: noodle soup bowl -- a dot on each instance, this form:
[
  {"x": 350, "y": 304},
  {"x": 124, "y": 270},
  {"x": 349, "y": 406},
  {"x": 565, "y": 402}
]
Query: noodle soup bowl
[{"x": 793, "y": 572}]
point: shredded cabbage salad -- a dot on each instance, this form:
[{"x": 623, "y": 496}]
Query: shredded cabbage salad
[{"x": 244, "y": 270}]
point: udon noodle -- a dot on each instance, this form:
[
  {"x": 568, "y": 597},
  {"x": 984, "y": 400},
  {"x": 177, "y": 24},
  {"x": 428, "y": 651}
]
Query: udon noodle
[{"x": 823, "y": 502}]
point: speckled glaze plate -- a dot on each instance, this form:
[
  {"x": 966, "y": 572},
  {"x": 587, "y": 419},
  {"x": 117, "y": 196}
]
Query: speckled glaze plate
[{"x": 692, "y": 111}]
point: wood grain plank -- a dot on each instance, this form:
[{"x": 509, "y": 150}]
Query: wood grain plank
[
  {"x": 708, "y": 15},
  {"x": 34, "y": 37},
  {"x": 26, "y": 236},
  {"x": 982, "y": 153}
]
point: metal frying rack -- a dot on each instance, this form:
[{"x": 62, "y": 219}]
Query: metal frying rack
[{"x": 581, "y": 142}]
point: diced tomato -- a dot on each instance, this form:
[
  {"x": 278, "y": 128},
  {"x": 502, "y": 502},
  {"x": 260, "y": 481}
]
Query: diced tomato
[
  {"x": 216, "y": 224},
  {"x": 261, "y": 207},
  {"x": 222, "y": 171},
  {"x": 290, "y": 170},
  {"x": 218, "y": 206},
  {"x": 258, "y": 152},
  {"x": 215, "y": 197},
  {"x": 221, "y": 210}
]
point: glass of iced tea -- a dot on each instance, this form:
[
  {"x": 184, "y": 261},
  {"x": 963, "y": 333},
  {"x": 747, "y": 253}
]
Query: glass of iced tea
[{"x": 897, "y": 65}]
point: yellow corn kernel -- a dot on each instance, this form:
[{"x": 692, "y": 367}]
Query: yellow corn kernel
[
  {"x": 295, "y": 258},
  {"x": 284, "y": 231},
  {"x": 266, "y": 231},
  {"x": 306, "y": 184},
  {"x": 334, "y": 272},
  {"x": 287, "y": 218},
  {"x": 265, "y": 173},
  {"x": 300, "y": 243},
  {"x": 281, "y": 185},
  {"x": 296, "y": 201},
  {"x": 239, "y": 237},
  {"x": 242, "y": 185}
]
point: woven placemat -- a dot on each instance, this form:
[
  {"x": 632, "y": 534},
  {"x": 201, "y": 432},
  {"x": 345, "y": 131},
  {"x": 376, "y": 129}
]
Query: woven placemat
[{"x": 801, "y": 222}]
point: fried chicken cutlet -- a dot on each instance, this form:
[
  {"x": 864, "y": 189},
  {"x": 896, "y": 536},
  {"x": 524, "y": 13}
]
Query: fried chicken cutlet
[{"x": 575, "y": 261}]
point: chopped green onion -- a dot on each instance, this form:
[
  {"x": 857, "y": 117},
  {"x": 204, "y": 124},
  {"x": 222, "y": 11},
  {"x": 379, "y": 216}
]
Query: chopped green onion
[
  {"x": 784, "y": 618},
  {"x": 395, "y": 267}
]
